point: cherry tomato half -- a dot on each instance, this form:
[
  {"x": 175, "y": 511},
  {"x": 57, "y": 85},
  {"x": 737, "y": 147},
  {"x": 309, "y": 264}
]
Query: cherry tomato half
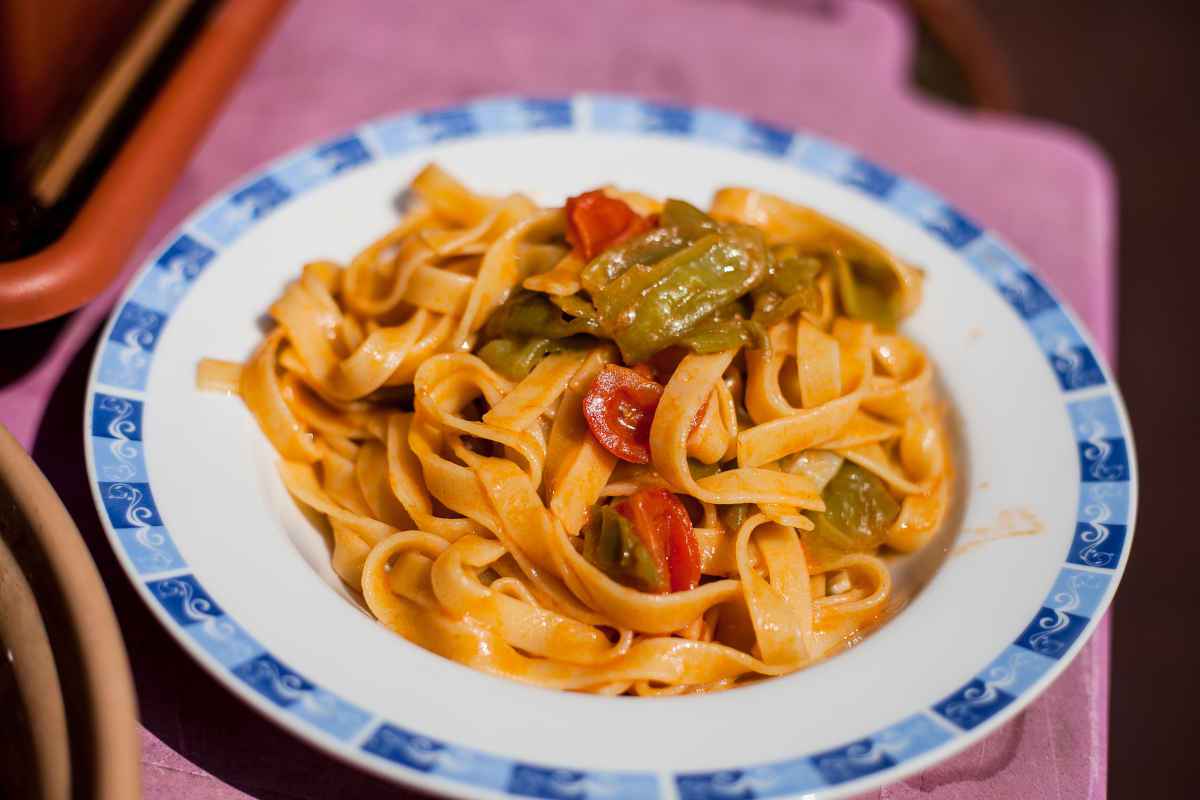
[
  {"x": 619, "y": 408},
  {"x": 662, "y": 524},
  {"x": 596, "y": 222}
]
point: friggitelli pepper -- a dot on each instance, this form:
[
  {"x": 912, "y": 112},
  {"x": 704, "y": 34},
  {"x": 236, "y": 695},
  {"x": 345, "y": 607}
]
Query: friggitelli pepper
[
  {"x": 679, "y": 225},
  {"x": 515, "y": 358},
  {"x": 791, "y": 286},
  {"x": 652, "y": 306},
  {"x": 610, "y": 543},
  {"x": 867, "y": 290},
  {"x": 859, "y": 510},
  {"x": 531, "y": 314},
  {"x": 646, "y": 542}
]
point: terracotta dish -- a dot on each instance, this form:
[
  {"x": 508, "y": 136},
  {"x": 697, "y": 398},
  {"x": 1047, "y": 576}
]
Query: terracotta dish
[
  {"x": 94, "y": 247},
  {"x": 66, "y": 695}
]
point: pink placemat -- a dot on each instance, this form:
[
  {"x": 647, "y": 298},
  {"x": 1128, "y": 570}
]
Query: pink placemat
[{"x": 835, "y": 68}]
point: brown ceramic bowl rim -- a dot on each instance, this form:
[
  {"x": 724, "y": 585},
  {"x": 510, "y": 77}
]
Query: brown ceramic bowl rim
[{"x": 107, "y": 684}]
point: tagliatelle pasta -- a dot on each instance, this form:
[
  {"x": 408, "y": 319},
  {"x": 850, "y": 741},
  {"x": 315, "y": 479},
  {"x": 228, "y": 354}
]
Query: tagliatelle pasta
[{"x": 621, "y": 446}]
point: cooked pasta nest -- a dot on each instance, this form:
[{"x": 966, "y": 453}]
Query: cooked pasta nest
[{"x": 620, "y": 446}]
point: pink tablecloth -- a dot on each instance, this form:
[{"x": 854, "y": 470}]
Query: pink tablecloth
[{"x": 836, "y": 68}]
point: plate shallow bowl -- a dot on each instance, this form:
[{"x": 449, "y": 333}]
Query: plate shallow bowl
[
  {"x": 186, "y": 484},
  {"x": 68, "y": 711}
]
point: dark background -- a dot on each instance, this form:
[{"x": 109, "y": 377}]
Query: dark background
[{"x": 1127, "y": 74}]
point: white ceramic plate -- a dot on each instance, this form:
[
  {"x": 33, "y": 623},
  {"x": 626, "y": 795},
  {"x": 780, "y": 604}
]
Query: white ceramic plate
[{"x": 187, "y": 487}]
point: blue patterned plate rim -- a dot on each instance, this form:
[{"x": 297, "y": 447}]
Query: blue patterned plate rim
[{"x": 121, "y": 487}]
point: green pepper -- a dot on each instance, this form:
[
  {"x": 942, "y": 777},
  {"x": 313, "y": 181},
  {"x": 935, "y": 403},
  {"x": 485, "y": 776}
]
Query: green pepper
[
  {"x": 609, "y": 542},
  {"x": 620, "y": 297},
  {"x": 649, "y": 248},
  {"x": 790, "y": 286},
  {"x": 680, "y": 224},
  {"x": 791, "y": 271},
  {"x": 725, "y": 328},
  {"x": 514, "y": 358},
  {"x": 686, "y": 218},
  {"x": 773, "y": 308},
  {"x": 725, "y": 335},
  {"x": 867, "y": 290},
  {"x": 701, "y": 470},
  {"x": 651, "y": 307},
  {"x": 735, "y": 515},
  {"x": 575, "y": 305},
  {"x": 859, "y": 510},
  {"x": 531, "y": 314}
]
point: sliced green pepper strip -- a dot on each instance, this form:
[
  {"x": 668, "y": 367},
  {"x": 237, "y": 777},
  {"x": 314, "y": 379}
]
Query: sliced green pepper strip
[
  {"x": 531, "y": 314},
  {"x": 790, "y": 286},
  {"x": 701, "y": 470},
  {"x": 575, "y": 305},
  {"x": 622, "y": 295},
  {"x": 867, "y": 291},
  {"x": 725, "y": 335},
  {"x": 680, "y": 224},
  {"x": 859, "y": 510},
  {"x": 735, "y": 515},
  {"x": 770, "y": 307},
  {"x": 610, "y": 543},
  {"x": 649, "y": 248},
  {"x": 652, "y": 307},
  {"x": 515, "y": 357},
  {"x": 686, "y": 218},
  {"x": 790, "y": 271}
]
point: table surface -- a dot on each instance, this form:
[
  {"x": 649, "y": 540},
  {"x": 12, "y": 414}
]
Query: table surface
[{"x": 835, "y": 67}]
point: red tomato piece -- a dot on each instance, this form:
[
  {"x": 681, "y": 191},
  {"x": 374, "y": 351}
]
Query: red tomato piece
[
  {"x": 661, "y": 366},
  {"x": 662, "y": 524},
  {"x": 619, "y": 409},
  {"x": 596, "y": 222},
  {"x": 644, "y": 370}
]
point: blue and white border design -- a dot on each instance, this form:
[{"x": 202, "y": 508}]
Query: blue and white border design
[{"x": 114, "y": 442}]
